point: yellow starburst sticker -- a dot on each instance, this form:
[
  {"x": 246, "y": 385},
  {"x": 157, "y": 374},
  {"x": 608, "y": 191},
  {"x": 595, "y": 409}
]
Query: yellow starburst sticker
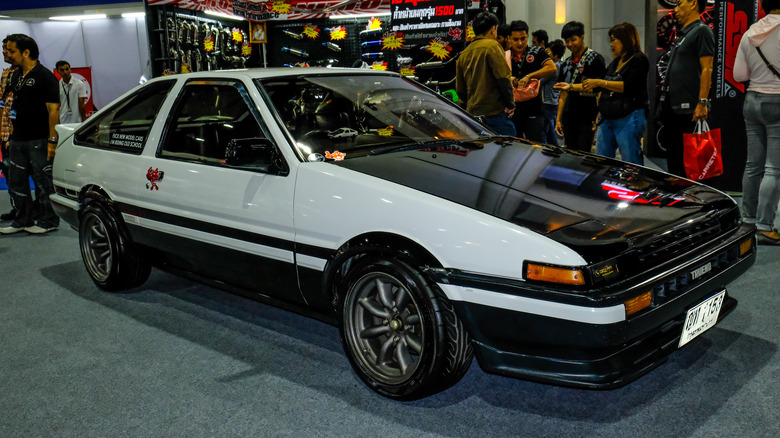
[
  {"x": 311, "y": 31},
  {"x": 386, "y": 132},
  {"x": 237, "y": 35},
  {"x": 338, "y": 33},
  {"x": 374, "y": 23},
  {"x": 393, "y": 41},
  {"x": 246, "y": 50},
  {"x": 280, "y": 7},
  {"x": 470, "y": 35},
  {"x": 185, "y": 68},
  {"x": 407, "y": 71},
  {"x": 379, "y": 66},
  {"x": 439, "y": 48},
  {"x": 208, "y": 44}
]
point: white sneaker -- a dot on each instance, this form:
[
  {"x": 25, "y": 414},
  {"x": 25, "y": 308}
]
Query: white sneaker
[
  {"x": 35, "y": 229},
  {"x": 11, "y": 229}
]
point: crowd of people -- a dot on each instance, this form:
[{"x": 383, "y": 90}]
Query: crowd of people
[
  {"x": 582, "y": 96},
  {"x": 32, "y": 103}
]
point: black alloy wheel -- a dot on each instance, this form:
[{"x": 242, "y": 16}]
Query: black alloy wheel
[
  {"x": 111, "y": 259},
  {"x": 401, "y": 334}
]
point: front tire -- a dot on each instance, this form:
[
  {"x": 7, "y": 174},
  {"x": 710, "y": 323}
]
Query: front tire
[
  {"x": 401, "y": 334},
  {"x": 111, "y": 259}
]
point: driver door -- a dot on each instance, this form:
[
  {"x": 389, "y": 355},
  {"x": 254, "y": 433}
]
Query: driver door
[{"x": 210, "y": 216}]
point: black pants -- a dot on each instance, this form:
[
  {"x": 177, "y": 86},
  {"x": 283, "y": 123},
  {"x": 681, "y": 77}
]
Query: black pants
[
  {"x": 675, "y": 125},
  {"x": 529, "y": 127},
  {"x": 578, "y": 132}
]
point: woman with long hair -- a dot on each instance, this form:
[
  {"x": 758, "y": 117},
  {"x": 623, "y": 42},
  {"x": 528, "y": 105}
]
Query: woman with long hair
[{"x": 623, "y": 97}]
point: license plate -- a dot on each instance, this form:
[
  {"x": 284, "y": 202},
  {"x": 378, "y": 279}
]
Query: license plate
[{"x": 700, "y": 318}]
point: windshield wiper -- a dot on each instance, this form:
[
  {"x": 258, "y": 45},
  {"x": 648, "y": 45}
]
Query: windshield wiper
[{"x": 423, "y": 144}]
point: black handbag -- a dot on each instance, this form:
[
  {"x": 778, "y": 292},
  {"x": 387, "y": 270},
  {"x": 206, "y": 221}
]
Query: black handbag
[{"x": 614, "y": 105}]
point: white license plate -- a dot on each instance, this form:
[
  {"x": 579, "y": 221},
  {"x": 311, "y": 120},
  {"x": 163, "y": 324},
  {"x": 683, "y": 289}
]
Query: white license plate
[{"x": 700, "y": 318}]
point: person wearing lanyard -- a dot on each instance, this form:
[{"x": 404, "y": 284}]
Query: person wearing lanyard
[{"x": 73, "y": 96}]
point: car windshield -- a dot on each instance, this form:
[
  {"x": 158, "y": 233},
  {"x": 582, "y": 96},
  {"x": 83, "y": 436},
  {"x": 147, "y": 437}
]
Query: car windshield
[{"x": 346, "y": 116}]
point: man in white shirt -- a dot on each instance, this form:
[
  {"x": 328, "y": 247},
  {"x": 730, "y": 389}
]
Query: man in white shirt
[{"x": 73, "y": 96}]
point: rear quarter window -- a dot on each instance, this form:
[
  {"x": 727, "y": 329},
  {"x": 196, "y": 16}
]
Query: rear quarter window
[{"x": 125, "y": 126}]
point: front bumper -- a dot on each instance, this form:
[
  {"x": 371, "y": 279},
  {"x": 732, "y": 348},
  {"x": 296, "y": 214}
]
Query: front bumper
[{"x": 549, "y": 341}]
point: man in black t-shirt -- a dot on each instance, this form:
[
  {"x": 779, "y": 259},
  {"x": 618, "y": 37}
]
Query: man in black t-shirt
[
  {"x": 577, "y": 108},
  {"x": 528, "y": 63},
  {"x": 686, "y": 88},
  {"x": 34, "y": 114}
]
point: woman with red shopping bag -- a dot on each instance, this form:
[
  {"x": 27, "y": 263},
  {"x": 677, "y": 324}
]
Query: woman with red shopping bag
[{"x": 758, "y": 60}]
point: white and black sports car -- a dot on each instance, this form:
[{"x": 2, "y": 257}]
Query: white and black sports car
[{"x": 424, "y": 237}]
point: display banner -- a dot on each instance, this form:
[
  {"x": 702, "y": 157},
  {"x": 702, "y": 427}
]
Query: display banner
[
  {"x": 731, "y": 19},
  {"x": 422, "y": 21},
  {"x": 267, "y": 10}
]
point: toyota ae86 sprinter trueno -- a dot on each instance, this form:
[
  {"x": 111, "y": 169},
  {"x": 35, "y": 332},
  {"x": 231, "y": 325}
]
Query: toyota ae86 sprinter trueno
[{"x": 368, "y": 201}]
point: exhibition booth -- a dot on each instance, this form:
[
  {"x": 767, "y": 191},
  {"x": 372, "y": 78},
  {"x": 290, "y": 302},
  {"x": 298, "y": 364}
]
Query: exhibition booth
[{"x": 420, "y": 39}]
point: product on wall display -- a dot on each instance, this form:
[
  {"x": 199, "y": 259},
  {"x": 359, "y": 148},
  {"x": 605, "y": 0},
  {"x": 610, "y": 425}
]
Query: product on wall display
[{"x": 184, "y": 40}]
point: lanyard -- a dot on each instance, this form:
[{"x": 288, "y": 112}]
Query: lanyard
[{"x": 67, "y": 93}]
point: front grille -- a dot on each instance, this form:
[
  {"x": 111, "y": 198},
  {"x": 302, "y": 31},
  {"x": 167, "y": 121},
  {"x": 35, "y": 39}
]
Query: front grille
[{"x": 677, "y": 285}]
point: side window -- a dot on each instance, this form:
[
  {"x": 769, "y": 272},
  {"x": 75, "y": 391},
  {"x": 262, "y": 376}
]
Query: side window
[
  {"x": 207, "y": 118},
  {"x": 125, "y": 127}
]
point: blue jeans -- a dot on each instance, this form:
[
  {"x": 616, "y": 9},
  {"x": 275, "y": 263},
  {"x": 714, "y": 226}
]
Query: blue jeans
[
  {"x": 761, "y": 180},
  {"x": 24, "y": 155},
  {"x": 623, "y": 134},
  {"x": 501, "y": 124},
  {"x": 548, "y": 131}
]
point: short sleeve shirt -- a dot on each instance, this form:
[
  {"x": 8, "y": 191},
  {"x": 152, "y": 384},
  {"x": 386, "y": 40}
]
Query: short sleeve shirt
[
  {"x": 31, "y": 94},
  {"x": 70, "y": 94},
  {"x": 532, "y": 60},
  {"x": 684, "y": 74},
  {"x": 590, "y": 65}
]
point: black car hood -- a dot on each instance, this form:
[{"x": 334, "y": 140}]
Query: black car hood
[{"x": 597, "y": 205}]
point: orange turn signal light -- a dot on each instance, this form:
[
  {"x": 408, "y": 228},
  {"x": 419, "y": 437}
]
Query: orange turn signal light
[
  {"x": 638, "y": 303},
  {"x": 745, "y": 247},
  {"x": 552, "y": 274}
]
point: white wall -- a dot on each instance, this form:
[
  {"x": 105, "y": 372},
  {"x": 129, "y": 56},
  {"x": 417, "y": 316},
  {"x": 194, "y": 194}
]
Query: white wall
[{"x": 115, "y": 48}]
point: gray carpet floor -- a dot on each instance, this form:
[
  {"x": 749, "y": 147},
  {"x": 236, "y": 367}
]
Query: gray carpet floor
[{"x": 177, "y": 359}]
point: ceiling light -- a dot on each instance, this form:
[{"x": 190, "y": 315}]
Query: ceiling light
[
  {"x": 77, "y": 17},
  {"x": 133, "y": 14},
  {"x": 224, "y": 15}
]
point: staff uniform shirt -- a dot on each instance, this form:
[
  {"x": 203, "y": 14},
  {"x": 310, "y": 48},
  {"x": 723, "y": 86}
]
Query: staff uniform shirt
[
  {"x": 31, "y": 94},
  {"x": 532, "y": 60},
  {"x": 683, "y": 76},
  {"x": 70, "y": 94},
  {"x": 590, "y": 65},
  {"x": 482, "y": 78}
]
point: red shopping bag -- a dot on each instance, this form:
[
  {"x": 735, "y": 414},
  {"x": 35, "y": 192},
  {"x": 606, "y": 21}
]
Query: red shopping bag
[{"x": 701, "y": 153}]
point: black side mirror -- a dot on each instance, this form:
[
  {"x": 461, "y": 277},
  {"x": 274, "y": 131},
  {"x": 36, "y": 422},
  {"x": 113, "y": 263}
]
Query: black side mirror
[{"x": 255, "y": 153}]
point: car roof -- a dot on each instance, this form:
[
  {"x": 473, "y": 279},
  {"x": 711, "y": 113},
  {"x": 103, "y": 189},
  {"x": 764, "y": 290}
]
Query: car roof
[{"x": 277, "y": 72}]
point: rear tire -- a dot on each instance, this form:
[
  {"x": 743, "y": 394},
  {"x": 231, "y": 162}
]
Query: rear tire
[
  {"x": 400, "y": 333},
  {"x": 112, "y": 260}
]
